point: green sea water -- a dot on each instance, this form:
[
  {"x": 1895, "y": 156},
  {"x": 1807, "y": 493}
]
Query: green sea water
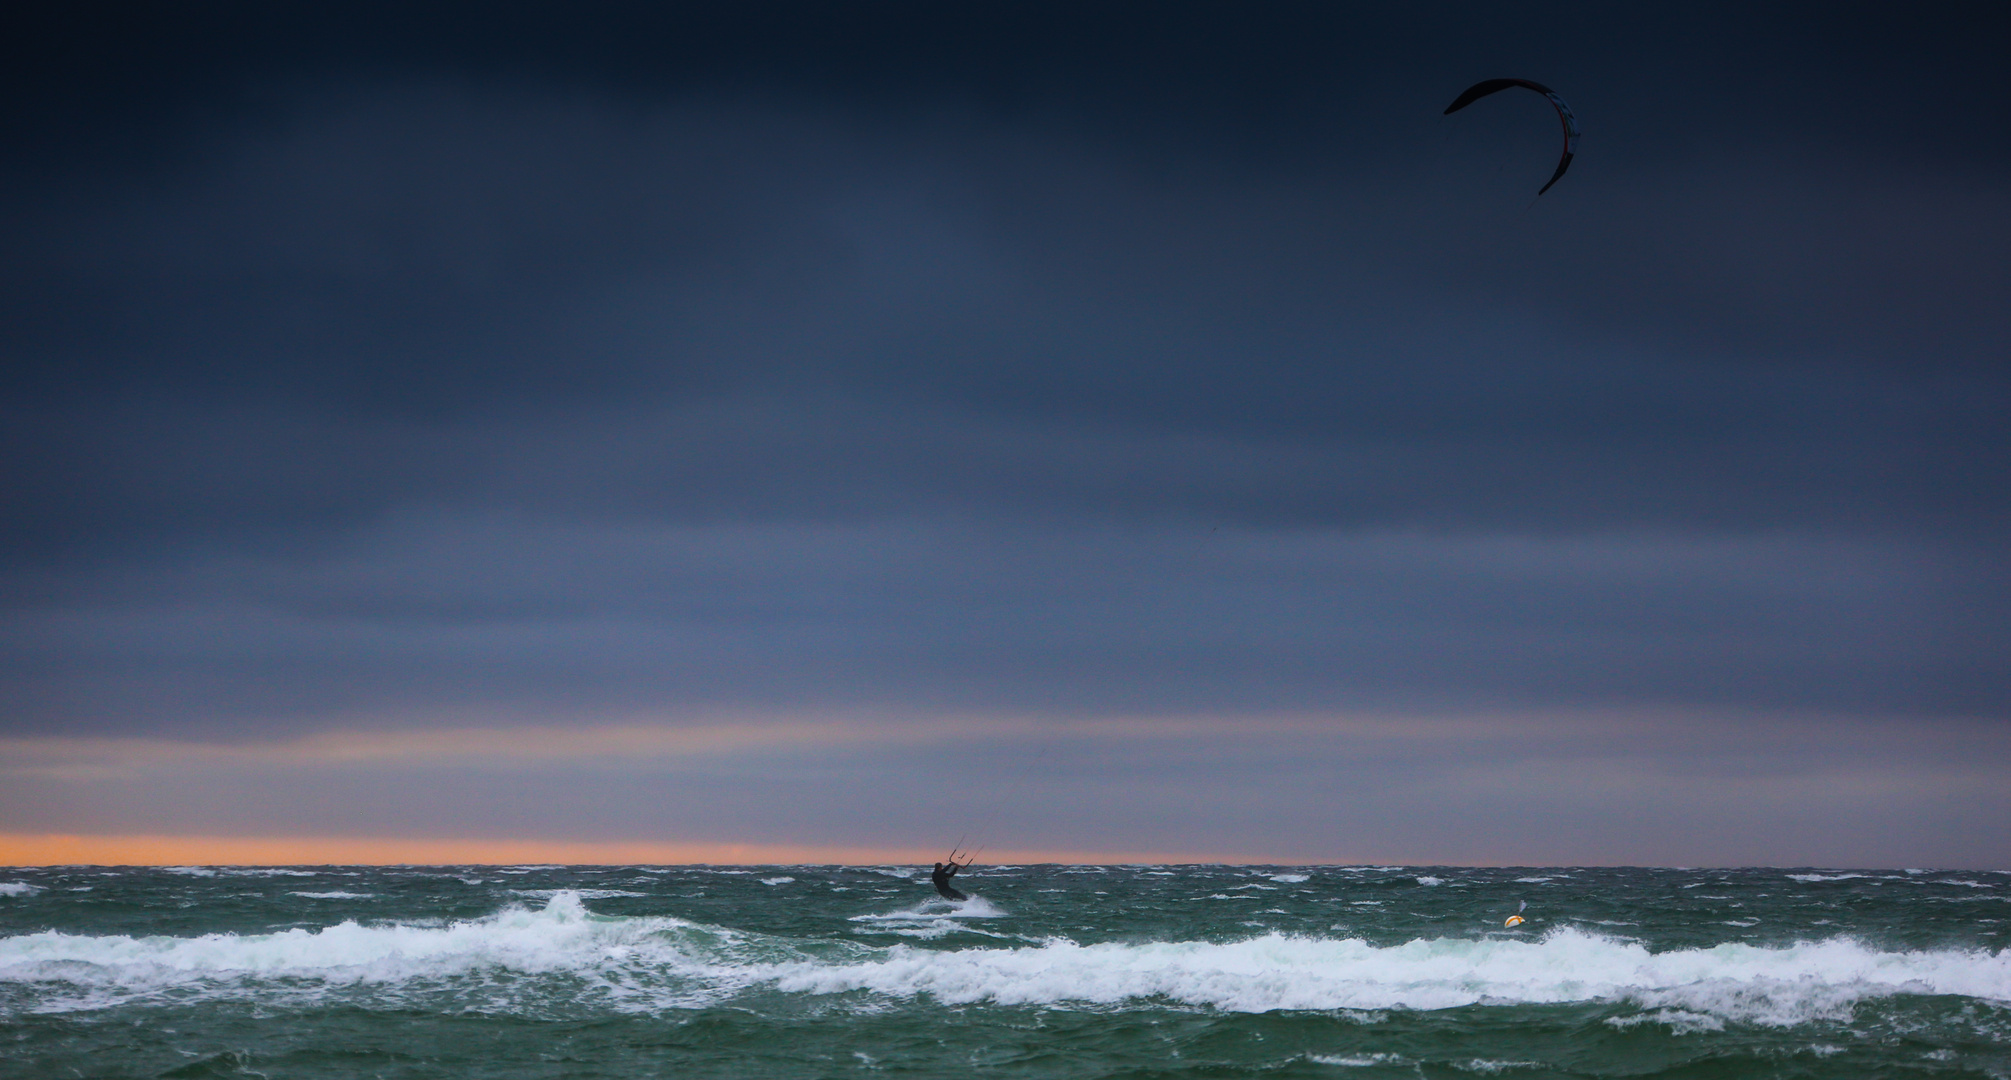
[{"x": 1047, "y": 972}]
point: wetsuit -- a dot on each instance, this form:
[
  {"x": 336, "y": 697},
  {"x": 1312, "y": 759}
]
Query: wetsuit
[{"x": 941, "y": 876}]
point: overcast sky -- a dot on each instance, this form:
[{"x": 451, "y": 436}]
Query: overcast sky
[{"x": 1098, "y": 427}]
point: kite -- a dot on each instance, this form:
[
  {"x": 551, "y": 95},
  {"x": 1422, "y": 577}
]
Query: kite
[{"x": 1488, "y": 86}]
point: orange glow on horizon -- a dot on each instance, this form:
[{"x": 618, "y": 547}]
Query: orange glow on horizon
[{"x": 19, "y": 849}]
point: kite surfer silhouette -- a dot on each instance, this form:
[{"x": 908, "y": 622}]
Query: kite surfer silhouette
[{"x": 941, "y": 875}]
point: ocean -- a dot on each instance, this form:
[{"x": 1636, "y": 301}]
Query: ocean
[{"x": 1046, "y": 972}]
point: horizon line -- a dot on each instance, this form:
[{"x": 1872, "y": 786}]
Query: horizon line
[
  {"x": 41, "y": 850},
  {"x": 142, "y": 849}
]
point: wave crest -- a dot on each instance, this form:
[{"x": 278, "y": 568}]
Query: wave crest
[
  {"x": 1775, "y": 986},
  {"x": 564, "y": 953}
]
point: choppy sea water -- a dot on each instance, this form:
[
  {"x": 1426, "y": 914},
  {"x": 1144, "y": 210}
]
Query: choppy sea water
[{"x": 1048, "y": 971}]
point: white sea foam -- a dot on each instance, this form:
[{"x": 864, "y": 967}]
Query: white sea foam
[
  {"x": 1430, "y": 881},
  {"x": 334, "y": 895},
  {"x": 777, "y": 880},
  {"x": 1785, "y": 985},
  {"x": 17, "y": 888},
  {"x": 1826, "y": 877},
  {"x": 623, "y": 963},
  {"x": 1677, "y": 1021},
  {"x": 582, "y": 894},
  {"x": 977, "y": 907},
  {"x": 1288, "y": 879},
  {"x": 1355, "y": 1060},
  {"x": 652, "y": 963}
]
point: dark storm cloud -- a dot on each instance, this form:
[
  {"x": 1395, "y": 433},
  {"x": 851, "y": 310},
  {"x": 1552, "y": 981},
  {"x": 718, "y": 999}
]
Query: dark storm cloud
[
  {"x": 384, "y": 363},
  {"x": 368, "y": 278}
]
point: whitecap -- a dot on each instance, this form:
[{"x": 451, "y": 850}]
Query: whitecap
[
  {"x": 1678, "y": 1021},
  {"x": 777, "y": 880},
  {"x": 628, "y": 963},
  {"x": 1430, "y": 881},
  {"x": 652, "y": 963},
  {"x": 1288, "y": 879},
  {"x": 977, "y": 907},
  {"x": 18, "y": 888},
  {"x": 1355, "y": 1060},
  {"x": 1782, "y": 986},
  {"x": 334, "y": 895}
]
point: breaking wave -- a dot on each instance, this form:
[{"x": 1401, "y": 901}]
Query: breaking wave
[
  {"x": 1786, "y": 985},
  {"x": 562, "y": 956}
]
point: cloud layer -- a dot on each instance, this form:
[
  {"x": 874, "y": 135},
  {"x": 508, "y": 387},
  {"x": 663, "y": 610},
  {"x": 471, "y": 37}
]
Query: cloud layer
[{"x": 559, "y": 371}]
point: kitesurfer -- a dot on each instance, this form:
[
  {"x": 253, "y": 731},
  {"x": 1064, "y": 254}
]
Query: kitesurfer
[{"x": 941, "y": 876}]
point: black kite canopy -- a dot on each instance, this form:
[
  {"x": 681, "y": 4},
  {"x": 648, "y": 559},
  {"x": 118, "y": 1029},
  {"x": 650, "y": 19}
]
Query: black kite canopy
[{"x": 1488, "y": 86}]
